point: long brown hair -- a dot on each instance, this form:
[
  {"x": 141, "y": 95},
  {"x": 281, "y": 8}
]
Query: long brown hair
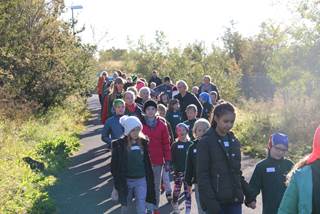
[
  {"x": 114, "y": 90},
  {"x": 138, "y": 141}
]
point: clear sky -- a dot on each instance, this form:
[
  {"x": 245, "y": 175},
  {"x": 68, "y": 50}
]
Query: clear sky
[{"x": 182, "y": 21}]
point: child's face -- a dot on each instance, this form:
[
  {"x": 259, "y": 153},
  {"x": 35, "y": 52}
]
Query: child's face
[
  {"x": 213, "y": 98},
  {"x": 145, "y": 95},
  {"x": 129, "y": 99},
  {"x": 164, "y": 98},
  {"x": 191, "y": 114},
  {"x": 120, "y": 109},
  {"x": 278, "y": 151},
  {"x": 176, "y": 107},
  {"x": 181, "y": 132},
  {"x": 119, "y": 87},
  {"x": 151, "y": 112},
  {"x": 200, "y": 130},
  {"x": 134, "y": 134},
  {"x": 225, "y": 122},
  {"x": 162, "y": 112}
]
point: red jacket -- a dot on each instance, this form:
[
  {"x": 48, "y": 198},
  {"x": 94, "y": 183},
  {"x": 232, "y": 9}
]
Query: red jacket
[
  {"x": 100, "y": 85},
  {"x": 159, "y": 142}
]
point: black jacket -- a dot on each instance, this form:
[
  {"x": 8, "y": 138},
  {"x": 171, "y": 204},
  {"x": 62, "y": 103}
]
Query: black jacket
[
  {"x": 119, "y": 163},
  {"x": 187, "y": 100},
  {"x": 191, "y": 164},
  {"x": 156, "y": 80},
  {"x": 219, "y": 172}
]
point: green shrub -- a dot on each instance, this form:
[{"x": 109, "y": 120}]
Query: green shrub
[
  {"x": 50, "y": 138},
  {"x": 55, "y": 152}
]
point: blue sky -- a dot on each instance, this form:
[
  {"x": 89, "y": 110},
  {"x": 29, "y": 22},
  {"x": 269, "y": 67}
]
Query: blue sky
[{"x": 182, "y": 21}]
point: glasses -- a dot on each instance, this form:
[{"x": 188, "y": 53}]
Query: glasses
[{"x": 280, "y": 149}]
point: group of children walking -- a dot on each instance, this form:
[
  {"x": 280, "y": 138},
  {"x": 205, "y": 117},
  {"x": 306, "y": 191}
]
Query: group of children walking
[{"x": 151, "y": 142}]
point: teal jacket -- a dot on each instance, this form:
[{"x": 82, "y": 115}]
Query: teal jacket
[{"x": 298, "y": 196}]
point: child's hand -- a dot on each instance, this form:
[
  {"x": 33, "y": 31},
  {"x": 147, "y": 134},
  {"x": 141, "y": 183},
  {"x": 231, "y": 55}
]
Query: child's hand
[
  {"x": 189, "y": 189},
  {"x": 167, "y": 166},
  {"x": 252, "y": 205}
]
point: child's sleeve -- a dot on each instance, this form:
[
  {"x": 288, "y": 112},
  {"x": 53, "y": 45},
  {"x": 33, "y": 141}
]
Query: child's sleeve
[
  {"x": 189, "y": 167},
  {"x": 256, "y": 181},
  {"x": 206, "y": 192},
  {"x": 166, "y": 143},
  {"x": 105, "y": 136}
]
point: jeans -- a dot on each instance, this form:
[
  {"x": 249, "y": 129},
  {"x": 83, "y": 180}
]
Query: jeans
[
  {"x": 138, "y": 189},
  {"x": 157, "y": 171},
  {"x": 200, "y": 211}
]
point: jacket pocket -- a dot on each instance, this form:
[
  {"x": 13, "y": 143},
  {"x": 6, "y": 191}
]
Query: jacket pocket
[{"x": 218, "y": 182}]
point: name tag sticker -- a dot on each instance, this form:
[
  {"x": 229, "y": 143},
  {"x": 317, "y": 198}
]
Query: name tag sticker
[
  {"x": 175, "y": 116},
  {"x": 271, "y": 169},
  {"x": 194, "y": 150},
  {"x": 226, "y": 144},
  {"x": 135, "y": 148},
  {"x": 180, "y": 146}
]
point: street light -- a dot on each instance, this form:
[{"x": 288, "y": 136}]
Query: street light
[{"x": 74, "y": 7}]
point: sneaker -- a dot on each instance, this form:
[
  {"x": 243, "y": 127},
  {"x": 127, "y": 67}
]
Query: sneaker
[
  {"x": 175, "y": 207},
  {"x": 169, "y": 197}
]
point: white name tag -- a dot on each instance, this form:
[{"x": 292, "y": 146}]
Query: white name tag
[
  {"x": 271, "y": 169},
  {"x": 226, "y": 144},
  {"x": 135, "y": 148},
  {"x": 175, "y": 115},
  {"x": 180, "y": 146},
  {"x": 194, "y": 150}
]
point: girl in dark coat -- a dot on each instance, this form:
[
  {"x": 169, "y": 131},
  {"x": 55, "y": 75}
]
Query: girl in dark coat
[{"x": 131, "y": 167}]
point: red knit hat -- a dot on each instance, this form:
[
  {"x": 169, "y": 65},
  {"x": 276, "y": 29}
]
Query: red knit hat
[
  {"x": 140, "y": 84},
  {"x": 315, "y": 155}
]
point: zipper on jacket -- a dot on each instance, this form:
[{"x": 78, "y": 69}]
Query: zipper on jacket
[{"x": 218, "y": 181}]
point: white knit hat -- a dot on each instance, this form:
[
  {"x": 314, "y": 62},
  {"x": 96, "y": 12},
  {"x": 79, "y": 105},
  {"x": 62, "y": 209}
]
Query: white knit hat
[{"x": 129, "y": 123}]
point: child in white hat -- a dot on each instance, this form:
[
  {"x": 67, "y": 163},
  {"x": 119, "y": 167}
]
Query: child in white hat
[{"x": 131, "y": 167}]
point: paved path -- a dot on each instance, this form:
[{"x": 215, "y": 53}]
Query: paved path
[{"x": 85, "y": 187}]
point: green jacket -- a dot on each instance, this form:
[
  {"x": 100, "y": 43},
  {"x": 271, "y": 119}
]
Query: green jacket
[
  {"x": 269, "y": 177},
  {"x": 298, "y": 197}
]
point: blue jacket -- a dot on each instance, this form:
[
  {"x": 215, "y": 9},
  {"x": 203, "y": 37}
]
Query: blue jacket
[
  {"x": 298, "y": 196},
  {"x": 112, "y": 130}
]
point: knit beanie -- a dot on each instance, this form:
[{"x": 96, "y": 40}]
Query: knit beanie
[
  {"x": 183, "y": 125},
  {"x": 118, "y": 102},
  {"x": 315, "y": 155},
  {"x": 205, "y": 97},
  {"x": 149, "y": 103},
  {"x": 278, "y": 138},
  {"x": 140, "y": 84},
  {"x": 129, "y": 123}
]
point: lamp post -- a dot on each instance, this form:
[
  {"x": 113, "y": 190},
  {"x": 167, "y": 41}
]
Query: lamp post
[{"x": 74, "y": 7}]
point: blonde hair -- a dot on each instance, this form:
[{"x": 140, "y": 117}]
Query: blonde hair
[
  {"x": 129, "y": 92},
  {"x": 207, "y": 77},
  {"x": 184, "y": 83},
  {"x": 198, "y": 123},
  {"x": 134, "y": 90},
  {"x": 162, "y": 107}
]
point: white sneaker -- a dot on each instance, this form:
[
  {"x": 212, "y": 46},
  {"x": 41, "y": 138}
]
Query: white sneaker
[{"x": 175, "y": 207}]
